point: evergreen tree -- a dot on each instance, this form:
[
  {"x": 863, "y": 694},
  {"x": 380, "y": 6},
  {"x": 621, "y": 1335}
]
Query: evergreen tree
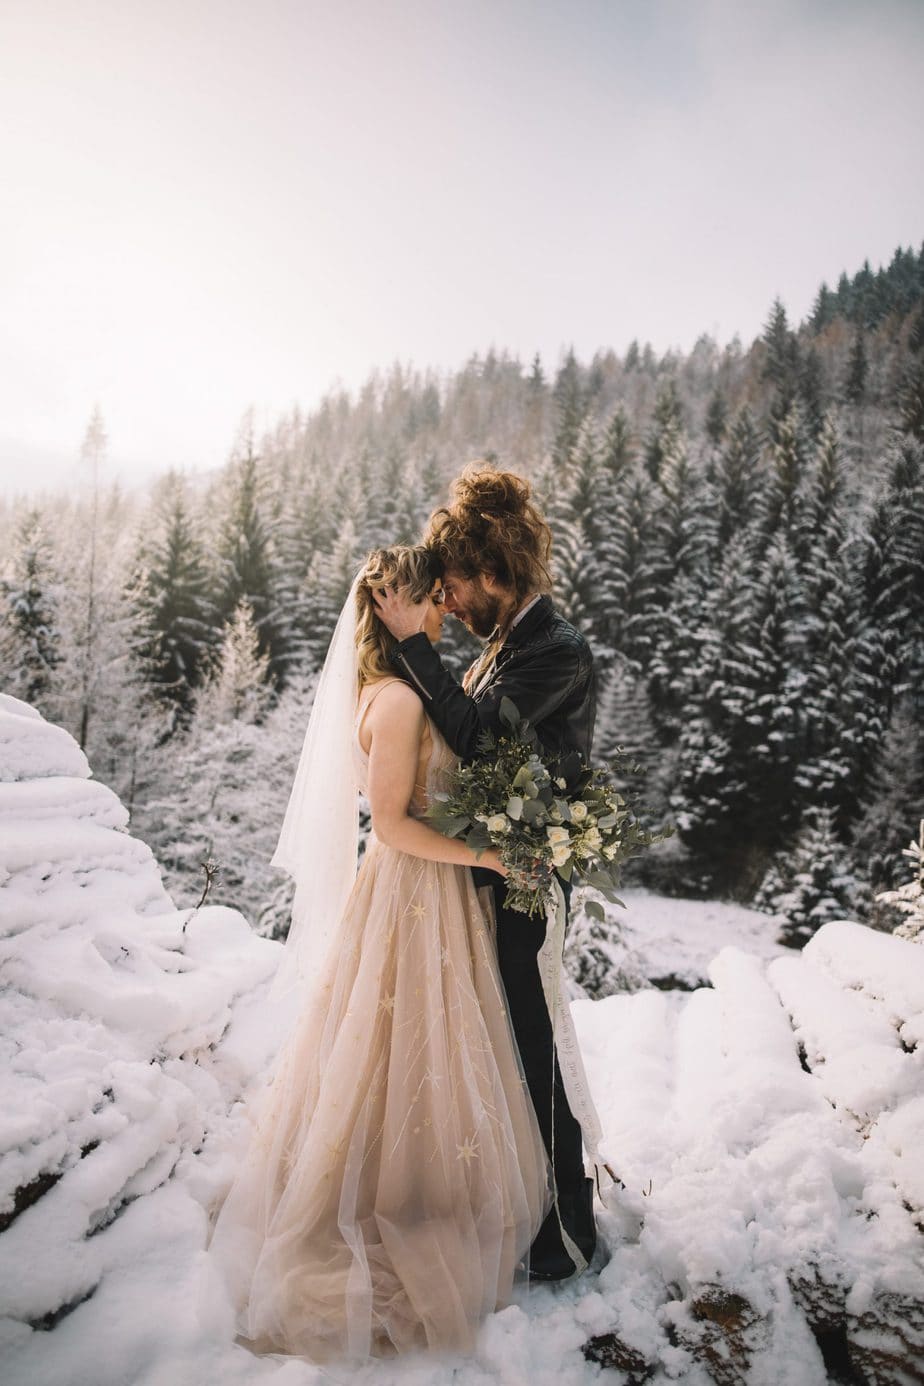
[
  {"x": 895, "y": 797},
  {"x": 811, "y": 884},
  {"x": 811, "y": 392},
  {"x": 823, "y": 310},
  {"x": 857, "y": 368},
  {"x": 782, "y": 504},
  {"x": 617, "y": 453},
  {"x": 175, "y": 614},
  {"x": 737, "y": 478},
  {"x": 627, "y": 596},
  {"x": 326, "y": 586},
  {"x": 909, "y": 898},
  {"x": 570, "y": 405},
  {"x": 238, "y": 688},
  {"x": 911, "y": 403},
  {"x": 29, "y": 638},
  {"x": 666, "y": 427},
  {"x": 716, "y": 418},
  {"x": 781, "y": 362},
  {"x": 246, "y": 570},
  {"x": 93, "y": 456}
]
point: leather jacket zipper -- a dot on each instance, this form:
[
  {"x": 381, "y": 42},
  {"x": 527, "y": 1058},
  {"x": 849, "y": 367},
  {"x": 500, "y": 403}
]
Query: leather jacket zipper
[{"x": 414, "y": 677}]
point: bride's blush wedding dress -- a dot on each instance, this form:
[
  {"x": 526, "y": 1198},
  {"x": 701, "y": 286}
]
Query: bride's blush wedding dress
[{"x": 395, "y": 1174}]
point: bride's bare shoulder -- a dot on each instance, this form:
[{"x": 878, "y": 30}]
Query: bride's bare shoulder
[{"x": 390, "y": 699}]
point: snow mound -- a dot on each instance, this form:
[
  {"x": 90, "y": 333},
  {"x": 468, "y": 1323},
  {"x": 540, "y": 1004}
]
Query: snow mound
[
  {"x": 769, "y": 1130},
  {"x": 126, "y": 1036}
]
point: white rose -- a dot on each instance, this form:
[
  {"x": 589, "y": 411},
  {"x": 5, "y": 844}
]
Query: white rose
[
  {"x": 592, "y": 838},
  {"x": 578, "y": 810},
  {"x": 498, "y": 823},
  {"x": 557, "y": 835},
  {"x": 561, "y": 854}
]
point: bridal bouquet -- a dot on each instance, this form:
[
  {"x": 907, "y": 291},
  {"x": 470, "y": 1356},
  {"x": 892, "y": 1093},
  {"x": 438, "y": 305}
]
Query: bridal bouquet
[{"x": 543, "y": 817}]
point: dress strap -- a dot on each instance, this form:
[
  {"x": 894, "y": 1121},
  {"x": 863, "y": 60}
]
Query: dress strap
[{"x": 376, "y": 690}]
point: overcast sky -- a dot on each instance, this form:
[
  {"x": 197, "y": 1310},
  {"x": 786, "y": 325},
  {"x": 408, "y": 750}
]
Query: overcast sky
[{"x": 207, "y": 204}]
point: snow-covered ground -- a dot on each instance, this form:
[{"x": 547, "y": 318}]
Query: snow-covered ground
[{"x": 769, "y": 1128}]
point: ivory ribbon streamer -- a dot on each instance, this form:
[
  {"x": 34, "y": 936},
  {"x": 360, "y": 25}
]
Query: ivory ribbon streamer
[{"x": 574, "y": 1077}]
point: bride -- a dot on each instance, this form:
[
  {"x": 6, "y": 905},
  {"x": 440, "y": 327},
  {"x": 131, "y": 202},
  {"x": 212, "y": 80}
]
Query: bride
[{"x": 395, "y": 1175}]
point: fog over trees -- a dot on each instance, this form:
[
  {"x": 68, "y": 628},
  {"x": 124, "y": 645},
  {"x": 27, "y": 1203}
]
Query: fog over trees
[{"x": 738, "y": 531}]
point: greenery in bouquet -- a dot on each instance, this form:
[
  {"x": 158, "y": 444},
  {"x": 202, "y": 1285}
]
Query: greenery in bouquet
[{"x": 544, "y": 817}]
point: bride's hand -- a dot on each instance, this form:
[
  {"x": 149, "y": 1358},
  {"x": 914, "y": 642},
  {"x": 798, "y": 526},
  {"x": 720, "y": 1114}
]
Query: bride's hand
[
  {"x": 491, "y": 860},
  {"x": 401, "y": 616}
]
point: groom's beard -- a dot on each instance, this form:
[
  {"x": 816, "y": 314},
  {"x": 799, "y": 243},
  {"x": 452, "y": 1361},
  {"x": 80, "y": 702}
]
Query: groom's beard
[{"x": 482, "y": 614}]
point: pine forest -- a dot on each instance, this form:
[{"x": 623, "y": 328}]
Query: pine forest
[{"x": 739, "y": 531}]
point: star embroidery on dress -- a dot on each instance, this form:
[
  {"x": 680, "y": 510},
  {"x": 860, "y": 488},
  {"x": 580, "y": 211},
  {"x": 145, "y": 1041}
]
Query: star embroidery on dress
[
  {"x": 444, "y": 957},
  {"x": 387, "y": 1003},
  {"x": 417, "y": 910},
  {"x": 432, "y": 1077},
  {"x": 468, "y": 1151}
]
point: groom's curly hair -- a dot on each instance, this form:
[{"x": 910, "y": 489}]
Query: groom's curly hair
[{"x": 492, "y": 526}]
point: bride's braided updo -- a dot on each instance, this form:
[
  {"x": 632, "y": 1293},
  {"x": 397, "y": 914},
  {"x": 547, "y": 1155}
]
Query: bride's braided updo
[
  {"x": 491, "y": 526},
  {"x": 416, "y": 568}
]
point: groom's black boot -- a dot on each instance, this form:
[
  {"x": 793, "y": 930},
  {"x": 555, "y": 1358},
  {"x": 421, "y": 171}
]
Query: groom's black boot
[{"x": 548, "y": 1259}]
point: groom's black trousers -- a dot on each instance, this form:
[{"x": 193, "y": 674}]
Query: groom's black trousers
[{"x": 519, "y": 939}]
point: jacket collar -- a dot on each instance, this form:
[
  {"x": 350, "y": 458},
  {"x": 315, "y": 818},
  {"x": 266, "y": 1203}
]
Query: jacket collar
[{"x": 530, "y": 623}]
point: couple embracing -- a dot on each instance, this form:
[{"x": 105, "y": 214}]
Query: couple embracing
[{"x": 415, "y": 1151}]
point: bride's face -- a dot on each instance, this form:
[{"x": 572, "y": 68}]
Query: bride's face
[{"x": 436, "y": 612}]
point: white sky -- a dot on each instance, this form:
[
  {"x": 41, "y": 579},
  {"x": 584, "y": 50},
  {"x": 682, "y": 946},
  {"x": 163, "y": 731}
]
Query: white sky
[{"x": 207, "y": 204}]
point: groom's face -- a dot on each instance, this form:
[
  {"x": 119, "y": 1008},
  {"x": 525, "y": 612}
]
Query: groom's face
[{"x": 477, "y": 602}]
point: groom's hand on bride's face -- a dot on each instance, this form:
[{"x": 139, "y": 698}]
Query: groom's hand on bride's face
[{"x": 401, "y": 616}]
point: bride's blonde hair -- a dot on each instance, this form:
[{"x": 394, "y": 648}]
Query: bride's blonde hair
[{"x": 402, "y": 565}]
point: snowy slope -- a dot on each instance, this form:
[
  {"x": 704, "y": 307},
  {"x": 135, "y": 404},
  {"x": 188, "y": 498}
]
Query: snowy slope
[{"x": 768, "y": 1127}]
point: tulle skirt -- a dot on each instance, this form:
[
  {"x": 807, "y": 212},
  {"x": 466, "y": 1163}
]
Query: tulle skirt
[{"x": 396, "y": 1174}]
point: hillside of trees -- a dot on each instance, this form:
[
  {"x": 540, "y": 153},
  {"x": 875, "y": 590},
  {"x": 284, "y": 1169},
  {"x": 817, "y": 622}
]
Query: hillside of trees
[{"x": 739, "y": 531}]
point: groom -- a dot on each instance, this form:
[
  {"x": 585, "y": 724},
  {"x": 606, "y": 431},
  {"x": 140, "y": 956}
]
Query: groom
[{"x": 494, "y": 546}]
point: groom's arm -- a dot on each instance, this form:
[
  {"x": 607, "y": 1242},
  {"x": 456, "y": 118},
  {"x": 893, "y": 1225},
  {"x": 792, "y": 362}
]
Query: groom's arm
[{"x": 538, "y": 681}]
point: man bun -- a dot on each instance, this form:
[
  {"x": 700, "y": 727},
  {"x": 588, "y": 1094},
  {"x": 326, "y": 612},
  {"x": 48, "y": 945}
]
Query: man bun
[
  {"x": 482, "y": 490},
  {"x": 491, "y": 526}
]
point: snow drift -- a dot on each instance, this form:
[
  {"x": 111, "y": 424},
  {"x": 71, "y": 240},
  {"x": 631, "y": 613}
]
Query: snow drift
[{"x": 768, "y": 1127}]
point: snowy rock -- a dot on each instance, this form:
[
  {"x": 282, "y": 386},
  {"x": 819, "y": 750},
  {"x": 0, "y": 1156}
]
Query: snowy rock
[
  {"x": 767, "y": 1127},
  {"x": 121, "y": 1059}
]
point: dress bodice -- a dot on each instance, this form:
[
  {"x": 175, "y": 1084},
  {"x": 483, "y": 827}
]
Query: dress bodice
[{"x": 436, "y": 761}]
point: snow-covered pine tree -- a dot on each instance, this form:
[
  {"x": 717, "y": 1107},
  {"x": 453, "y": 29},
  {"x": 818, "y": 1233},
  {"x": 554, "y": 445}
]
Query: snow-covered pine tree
[
  {"x": 627, "y": 596},
  {"x": 570, "y": 409},
  {"x": 811, "y": 883},
  {"x": 857, "y": 370},
  {"x": 894, "y": 797},
  {"x": 29, "y": 638},
  {"x": 238, "y": 688},
  {"x": 218, "y": 793},
  {"x": 781, "y": 363},
  {"x": 617, "y": 450},
  {"x": 716, "y": 424},
  {"x": 909, "y": 898},
  {"x": 177, "y": 621},
  {"x": 667, "y": 428},
  {"x": 782, "y": 499},
  {"x": 326, "y": 586},
  {"x": 736, "y": 478},
  {"x": 811, "y": 391},
  {"x": 246, "y": 569}
]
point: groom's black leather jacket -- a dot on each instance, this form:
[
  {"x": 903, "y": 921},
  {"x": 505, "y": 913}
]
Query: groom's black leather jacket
[{"x": 544, "y": 666}]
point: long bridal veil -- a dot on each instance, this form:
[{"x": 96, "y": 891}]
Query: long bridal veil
[{"x": 319, "y": 839}]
